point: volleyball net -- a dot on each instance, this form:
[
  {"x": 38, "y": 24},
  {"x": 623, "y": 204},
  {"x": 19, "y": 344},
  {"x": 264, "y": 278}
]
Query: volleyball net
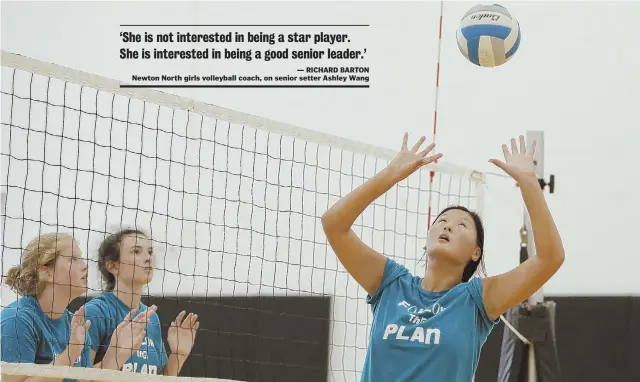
[{"x": 232, "y": 202}]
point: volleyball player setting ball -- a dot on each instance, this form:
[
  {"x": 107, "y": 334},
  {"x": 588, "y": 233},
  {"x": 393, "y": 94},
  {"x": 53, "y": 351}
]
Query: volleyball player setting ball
[
  {"x": 126, "y": 262},
  {"x": 432, "y": 328},
  {"x": 38, "y": 328}
]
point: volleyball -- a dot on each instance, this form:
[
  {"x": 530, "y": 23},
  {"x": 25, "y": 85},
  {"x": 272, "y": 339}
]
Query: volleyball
[{"x": 488, "y": 35}]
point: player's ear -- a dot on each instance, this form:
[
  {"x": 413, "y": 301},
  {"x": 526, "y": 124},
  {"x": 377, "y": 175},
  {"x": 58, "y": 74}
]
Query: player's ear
[
  {"x": 45, "y": 273},
  {"x": 112, "y": 267},
  {"x": 476, "y": 254}
]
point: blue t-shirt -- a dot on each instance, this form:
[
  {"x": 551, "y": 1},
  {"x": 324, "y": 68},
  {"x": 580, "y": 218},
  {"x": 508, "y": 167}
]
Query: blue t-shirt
[
  {"x": 30, "y": 336},
  {"x": 419, "y": 335},
  {"x": 106, "y": 312}
]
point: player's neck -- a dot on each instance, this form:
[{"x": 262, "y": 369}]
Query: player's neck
[
  {"x": 440, "y": 276},
  {"x": 53, "y": 307},
  {"x": 128, "y": 294}
]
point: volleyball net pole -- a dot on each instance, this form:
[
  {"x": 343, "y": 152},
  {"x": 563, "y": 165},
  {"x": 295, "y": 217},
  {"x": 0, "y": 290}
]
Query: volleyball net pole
[{"x": 529, "y": 352}]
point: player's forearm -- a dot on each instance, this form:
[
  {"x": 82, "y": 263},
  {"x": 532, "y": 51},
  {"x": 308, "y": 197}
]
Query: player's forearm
[
  {"x": 174, "y": 365},
  {"x": 342, "y": 215},
  {"x": 547, "y": 239}
]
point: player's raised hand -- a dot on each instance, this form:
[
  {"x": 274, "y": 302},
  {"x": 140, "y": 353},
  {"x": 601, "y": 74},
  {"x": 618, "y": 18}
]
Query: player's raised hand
[
  {"x": 182, "y": 333},
  {"x": 79, "y": 328},
  {"x": 408, "y": 160},
  {"x": 519, "y": 162},
  {"x": 128, "y": 336}
]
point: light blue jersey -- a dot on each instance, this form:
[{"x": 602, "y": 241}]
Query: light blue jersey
[
  {"x": 30, "y": 336},
  {"x": 424, "y": 336},
  {"x": 106, "y": 312}
]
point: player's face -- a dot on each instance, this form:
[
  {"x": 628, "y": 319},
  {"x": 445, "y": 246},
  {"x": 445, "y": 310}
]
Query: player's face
[
  {"x": 453, "y": 234},
  {"x": 136, "y": 260},
  {"x": 70, "y": 269}
]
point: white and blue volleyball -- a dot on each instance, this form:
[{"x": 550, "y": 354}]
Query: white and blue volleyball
[{"x": 488, "y": 35}]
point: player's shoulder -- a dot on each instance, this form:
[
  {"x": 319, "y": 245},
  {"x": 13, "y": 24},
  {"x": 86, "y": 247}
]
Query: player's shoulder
[
  {"x": 474, "y": 286},
  {"x": 11, "y": 310},
  {"x": 26, "y": 306},
  {"x": 396, "y": 278},
  {"x": 99, "y": 302},
  {"x": 395, "y": 270},
  {"x": 395, "y": 275},
  {"x": 103, "y": 305},
  {"x": 100, "y": 298},
  {"x": 25, "y": 310}
]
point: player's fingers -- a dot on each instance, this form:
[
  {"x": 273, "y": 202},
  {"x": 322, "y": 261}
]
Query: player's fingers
[
  {"x": 78, "y": 316},
  {"x": 523, "y": 145},
  {"x": 127, "y": 318},
  {"x": 140, "y": 317},
  {"x": 418, "y": 144},
  {"x": 179, "y": 318},
  {"x": 429, "y": 159},
  {"x": 426, "y": 151},
  {"x": 194, "y": 320},
  {"x": 146, "y": 315},
  {"x": 187, "y": 321},
  {"x": 500, "y": 164},
  {"x": 505, "y": 151},
  {"x": 151, "y": 311},
  {"x": 514, "y": 146},
  {"x": 139, "y": 323}
]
